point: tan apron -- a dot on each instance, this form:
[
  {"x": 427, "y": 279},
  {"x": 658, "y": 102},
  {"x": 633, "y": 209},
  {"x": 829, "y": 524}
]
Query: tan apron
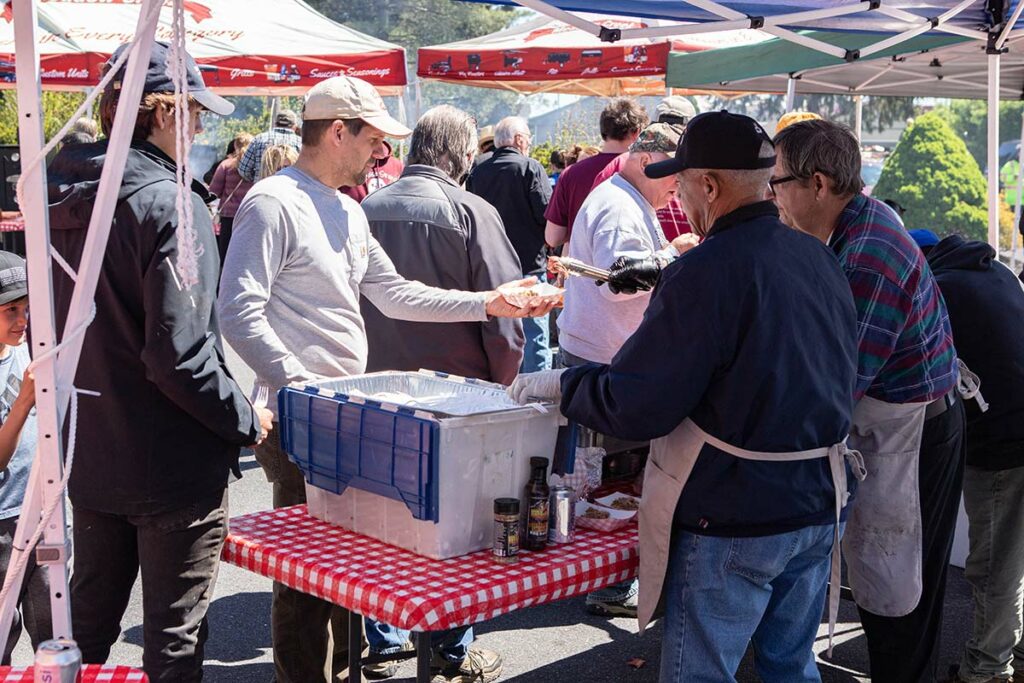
[
  {"x": 668, "y": 468},
  {"x": 883, "y": 531}
]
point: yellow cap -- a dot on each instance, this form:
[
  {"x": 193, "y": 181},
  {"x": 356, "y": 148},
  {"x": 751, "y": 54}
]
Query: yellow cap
[{"x": 795, "y": 117}]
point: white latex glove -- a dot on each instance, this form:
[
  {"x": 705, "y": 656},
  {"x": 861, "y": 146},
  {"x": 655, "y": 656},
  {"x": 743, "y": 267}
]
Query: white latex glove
[{"x": 545, "y": 385}]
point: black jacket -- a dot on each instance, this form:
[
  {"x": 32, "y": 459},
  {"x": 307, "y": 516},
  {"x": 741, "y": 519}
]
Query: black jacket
[
  {"x": 986, "y": 309},
  {"x": 170, "y": 419},
  {"x": 518, "y": 187}
]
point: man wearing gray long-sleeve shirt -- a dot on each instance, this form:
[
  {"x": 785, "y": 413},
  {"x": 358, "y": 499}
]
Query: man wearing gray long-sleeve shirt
[{"x": 301, "y": 255}]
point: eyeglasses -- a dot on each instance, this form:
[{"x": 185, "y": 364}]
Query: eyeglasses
[{"x": 778, "y": 181}]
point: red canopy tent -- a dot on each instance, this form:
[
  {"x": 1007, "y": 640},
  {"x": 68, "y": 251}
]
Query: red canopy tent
[
  {"x": 546, "y": 55},
  {"x": 250, "y": 47}
]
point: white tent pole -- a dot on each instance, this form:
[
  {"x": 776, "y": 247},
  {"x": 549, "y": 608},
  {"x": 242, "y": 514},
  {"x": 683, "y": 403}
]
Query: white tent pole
[
  {"x": 106, "y": 195},
  {"x": 1020, "y": 190},
  {"x": 858, "y": 116},
  {"x": 48, "y": 465},
  {"x": 993, "y": 150},
  {"x": 790, "y": 93},
  {"x": 273, "y": 113}
]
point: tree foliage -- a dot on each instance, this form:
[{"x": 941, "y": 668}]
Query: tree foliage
[
  {"x": 878, "y": 113},
  {"x": 933, "y": 175},
  {"x": 58, "y": 107},
  {"x": 416, "y": 23},
  {"x": 969, "y": 119}
]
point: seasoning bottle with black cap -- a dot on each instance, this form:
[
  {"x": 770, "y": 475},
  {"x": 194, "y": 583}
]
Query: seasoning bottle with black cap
[{"x": 537, "y": 505}]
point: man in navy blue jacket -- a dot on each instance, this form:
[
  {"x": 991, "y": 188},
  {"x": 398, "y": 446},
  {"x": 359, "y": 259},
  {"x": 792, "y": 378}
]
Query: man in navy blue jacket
[
  {"x": 749, "y": 413},
  {"x": 986, "y": 309}
]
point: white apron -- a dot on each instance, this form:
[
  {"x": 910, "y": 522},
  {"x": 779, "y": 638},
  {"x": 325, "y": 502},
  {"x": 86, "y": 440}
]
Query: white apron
[
  {"x": 668, "y": 468},
  {"x": 883, "y": 531}
]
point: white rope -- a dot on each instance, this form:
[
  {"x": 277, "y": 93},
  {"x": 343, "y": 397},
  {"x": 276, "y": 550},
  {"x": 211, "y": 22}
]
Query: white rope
[
  {"x": 26, "y": 168},
  {"x": 69, "y": 459},
  {"x": 188, "y": 251}
]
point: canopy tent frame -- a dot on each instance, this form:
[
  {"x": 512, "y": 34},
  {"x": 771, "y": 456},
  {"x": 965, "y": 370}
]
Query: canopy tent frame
[
  {"x": 995, "y": 35},
  {"x": 733, "y": 20},
  {"x": 55, "y": 373}
]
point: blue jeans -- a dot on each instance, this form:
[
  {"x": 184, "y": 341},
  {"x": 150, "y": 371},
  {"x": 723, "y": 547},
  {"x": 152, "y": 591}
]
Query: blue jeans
[
  {"x": 452, "y": 645},
  {"x": 723, "y": 593},
  {"x": 537, "y": 353}
]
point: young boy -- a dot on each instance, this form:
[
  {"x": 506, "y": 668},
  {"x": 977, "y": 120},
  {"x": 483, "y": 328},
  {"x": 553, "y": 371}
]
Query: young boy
[{"x": 17, "y": 448}]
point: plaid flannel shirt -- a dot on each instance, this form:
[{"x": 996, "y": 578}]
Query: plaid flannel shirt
[
  {"x": 905, "y": 343},
  {"x": 249, "y": 166}
]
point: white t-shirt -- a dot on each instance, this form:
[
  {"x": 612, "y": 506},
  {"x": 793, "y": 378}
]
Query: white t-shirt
[{"x": 615, "y": 220}]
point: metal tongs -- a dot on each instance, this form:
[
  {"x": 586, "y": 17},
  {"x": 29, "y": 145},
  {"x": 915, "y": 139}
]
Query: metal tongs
[{"x": 564, "y": 265}]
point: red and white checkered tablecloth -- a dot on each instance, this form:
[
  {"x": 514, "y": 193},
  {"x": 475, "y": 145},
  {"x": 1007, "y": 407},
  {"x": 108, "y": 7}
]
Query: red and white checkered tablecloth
[
  {"x": 90, "y": 674},
  {"x": 12, "y": 225},
  {"x": 412, "y": 592}
]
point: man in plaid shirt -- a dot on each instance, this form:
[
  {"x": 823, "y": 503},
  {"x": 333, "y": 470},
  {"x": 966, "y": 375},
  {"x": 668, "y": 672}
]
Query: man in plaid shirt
[
  {"x": 908, "y": 420},
  {"x": 286, "y": 129}
]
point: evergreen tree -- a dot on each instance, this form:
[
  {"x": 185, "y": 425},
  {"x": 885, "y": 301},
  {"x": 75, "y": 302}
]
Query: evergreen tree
[{"x": 932, "y": 174}]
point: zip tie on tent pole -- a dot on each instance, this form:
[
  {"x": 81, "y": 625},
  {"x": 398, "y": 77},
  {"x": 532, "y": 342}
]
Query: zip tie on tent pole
[
  {"x": 187, "y": 263},
  {"x": 69, "y": 460},
  {"x": 64, "y": 265},
  {"x": 26, "y": 168}
]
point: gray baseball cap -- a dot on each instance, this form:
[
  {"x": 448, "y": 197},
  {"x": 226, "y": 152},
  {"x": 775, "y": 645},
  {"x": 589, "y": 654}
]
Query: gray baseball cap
[{"x": 13, "y": 278}]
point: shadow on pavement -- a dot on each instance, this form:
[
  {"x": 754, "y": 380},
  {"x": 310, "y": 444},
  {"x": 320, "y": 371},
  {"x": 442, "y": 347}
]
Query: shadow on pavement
[{"x": 239, "y": 631}]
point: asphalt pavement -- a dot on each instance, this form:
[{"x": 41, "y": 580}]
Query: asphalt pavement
[{"x": 547, "y": 644}]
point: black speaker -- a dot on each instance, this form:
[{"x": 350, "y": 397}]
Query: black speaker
[{"x": 10, "y": 169}]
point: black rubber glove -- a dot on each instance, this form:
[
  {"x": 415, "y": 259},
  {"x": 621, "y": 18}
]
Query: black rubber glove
[{"x": 631, "y": 275}]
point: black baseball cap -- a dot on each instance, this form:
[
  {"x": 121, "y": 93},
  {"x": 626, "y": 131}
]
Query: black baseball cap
[
  {"x": 13, "y": 278},
  {"x": 717, "y": 139},
  {"x": 158, "y": 80}
]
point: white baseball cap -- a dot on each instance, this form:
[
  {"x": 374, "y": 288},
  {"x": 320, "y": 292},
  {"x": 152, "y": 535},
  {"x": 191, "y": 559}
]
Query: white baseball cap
[{"x": 344, "y": 97}]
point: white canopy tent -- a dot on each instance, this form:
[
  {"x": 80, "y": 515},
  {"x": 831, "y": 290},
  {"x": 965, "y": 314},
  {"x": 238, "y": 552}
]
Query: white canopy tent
[
  {"x": 545, "y": 55},
  {"x": 990, "y": 23},
  {"x": 255, "y": 47}
]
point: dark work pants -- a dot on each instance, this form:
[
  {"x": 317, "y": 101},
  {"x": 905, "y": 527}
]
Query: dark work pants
[
  {"x": 178, "y": 553},
  {"x": 310, "y": 635},
  {"x": 903, "y": 649},
  {"x": 224, "y": 238}
]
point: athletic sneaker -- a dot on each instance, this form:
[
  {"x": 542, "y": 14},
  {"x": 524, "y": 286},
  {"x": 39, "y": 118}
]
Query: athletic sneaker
[
  {"x": 479, "y": 666},
  {"x": 383, "y": 670},
  {"x": 619, "y": 600}
]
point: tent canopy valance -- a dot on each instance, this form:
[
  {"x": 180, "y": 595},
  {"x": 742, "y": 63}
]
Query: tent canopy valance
[
  {"x": 547, "y": 55},
  {"x": 255, "y": 47}
]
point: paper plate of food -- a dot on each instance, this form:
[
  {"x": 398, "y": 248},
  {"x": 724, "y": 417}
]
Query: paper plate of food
[
  {"x": 619, "y": 501},
  {"x": 522, "y": 296},
  {"x": 601, "y": 518}
]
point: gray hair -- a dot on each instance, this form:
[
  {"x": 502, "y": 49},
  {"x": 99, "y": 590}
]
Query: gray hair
[
  {"x": 507, "y": 129},
  {"x": 444, "y": 137},
  {"x": 824, "y": 147},
  {"x": 744, "y": 181}
]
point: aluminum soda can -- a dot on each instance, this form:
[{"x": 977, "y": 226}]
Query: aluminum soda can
[
  {"x": 562, "y": 516},
  {"x": 58, "y": 661}
]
